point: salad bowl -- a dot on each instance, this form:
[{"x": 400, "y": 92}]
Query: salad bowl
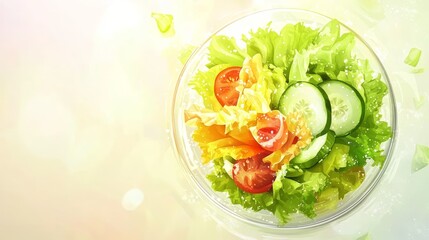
[{"x": 321, "y": 189}]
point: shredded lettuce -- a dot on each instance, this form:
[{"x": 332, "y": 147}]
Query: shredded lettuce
[
  {"x": 413, "y": 57},
  {"x": 420, "y": 158},
  {"x": 163, "y": 21},
  {"x": 292, "y": 38}
]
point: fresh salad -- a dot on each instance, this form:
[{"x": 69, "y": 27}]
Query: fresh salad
[{"x": 289, "y": 121}]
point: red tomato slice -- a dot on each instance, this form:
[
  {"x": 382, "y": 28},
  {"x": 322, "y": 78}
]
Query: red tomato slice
[
  {"x": 225, "y": 86},
  {"x": 271, "y": 130},
  {"x": 252, "y": 175}
]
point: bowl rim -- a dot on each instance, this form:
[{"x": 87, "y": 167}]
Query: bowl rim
[{"x": 181, "y": 154}]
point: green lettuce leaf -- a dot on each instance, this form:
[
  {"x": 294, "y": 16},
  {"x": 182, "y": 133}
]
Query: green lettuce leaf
[
  {"x": 224, "y": 50},
  {"x": 222, "y": 182},
  {"x": 262, "y": 42},
  {"x": 336, "y": 159},
  {"x": 203, "y": 83},
  {"x": 278, "y": 184},
  {"x": 299, "y": 67},
  {"x": 297, "y": 196},
  {"x": 276, "y": 82},
  {"x": 365, "y": 142},
  {"x": 293, "y": 38},
  {"x": 330, "y": 60},
  {"x": 328, "y": 34},
  {"x": 420, "y": 158},
  {"x": 346, "y": 181},
  {"x": 327, "y": 200}
]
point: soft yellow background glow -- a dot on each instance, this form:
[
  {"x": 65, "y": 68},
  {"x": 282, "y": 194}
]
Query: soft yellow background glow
[{"x": 85, "y": 87}]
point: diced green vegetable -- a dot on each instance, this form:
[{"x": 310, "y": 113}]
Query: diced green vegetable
[
  {"x": 413, "y": 57},
  {"x": 185, "y": 53},
  {"x": 163, "y": 21},
  {"x": 420, "y": 158},
  {"x": 419, "y": 101}
]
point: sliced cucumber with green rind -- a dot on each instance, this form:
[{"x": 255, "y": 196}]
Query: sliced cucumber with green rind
[
  {"x": 311, "y": 101},
  {"x": 347, "y": 106},
  {"x": 318, "y": 149}
]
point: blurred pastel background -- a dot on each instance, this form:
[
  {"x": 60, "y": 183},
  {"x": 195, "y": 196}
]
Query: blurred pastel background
[{"x": 85, "y": 90}]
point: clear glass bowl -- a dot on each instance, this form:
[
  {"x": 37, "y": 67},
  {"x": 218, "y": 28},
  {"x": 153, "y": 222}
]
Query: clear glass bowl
[{"x": 189, "y": 152}]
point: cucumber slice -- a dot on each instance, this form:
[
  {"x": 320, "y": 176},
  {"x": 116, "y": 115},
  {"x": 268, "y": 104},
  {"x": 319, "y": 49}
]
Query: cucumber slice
[
  {"x": 318, "y": 149},
  {"x": 347, "y": 106},
  {"x": 312, "y": 102}
]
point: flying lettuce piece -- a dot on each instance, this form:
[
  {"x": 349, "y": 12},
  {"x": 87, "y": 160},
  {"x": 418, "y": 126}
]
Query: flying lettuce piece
[
  {"x": 419, "y": 100},
  {"x": 185, "y": 53},
  {"x": 163, "y": 21},
  {"x": 413, "y": 57},
  {"x": 418, "y": 70},
  {"x": 364, "y": 237},
  {"x": 224, "y": 50},
  {"x": 420, "y": 158}
]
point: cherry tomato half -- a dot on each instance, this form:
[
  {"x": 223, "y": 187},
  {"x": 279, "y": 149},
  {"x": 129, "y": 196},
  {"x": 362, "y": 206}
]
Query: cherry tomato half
[
  {"x": 252, "y": 175},
  {"x": 225, "y": 86},
  {"x": 271, "y": 130}
]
